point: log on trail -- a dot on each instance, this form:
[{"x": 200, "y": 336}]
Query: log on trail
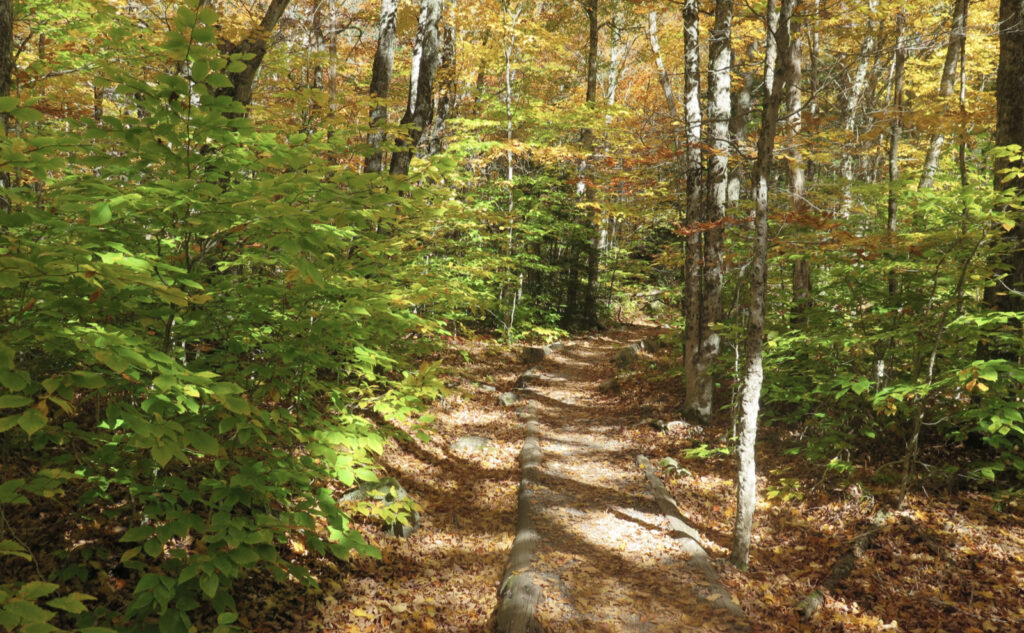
[
  {"x": 689, "y": 538},
  {"x": 519, "y": 594},
  {"x": 812, "y": 602}
]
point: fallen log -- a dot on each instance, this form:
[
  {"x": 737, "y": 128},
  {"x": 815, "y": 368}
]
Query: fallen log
[
  {"x": 519, "y": 594},
  {"x": 813, "y": 601},
  {"x": 689, "y": 538}
]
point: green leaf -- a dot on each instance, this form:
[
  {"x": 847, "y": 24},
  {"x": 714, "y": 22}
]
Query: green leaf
[
  {"x": 8, "y": 104},
  {"x": 162, "y": 454},
  {"x": 29, "y": 115},
  {"x": 153, "y": 547},
  {"x": 209, "y": 585},
  {"x": 36, "y": 589},
  {"x": 99, "y": 214},
  {"x": 137, "y": 534},
  {"x": 31, "y": 420},
  {"x": 203, "y": 442},
  {"x": 173, "y": 621},
  {"x": 6, "y": 357},
  {"x": 236, "y": 404},
  {"x": 71, "y": 603},
  {"x": 12, "y": 402}
]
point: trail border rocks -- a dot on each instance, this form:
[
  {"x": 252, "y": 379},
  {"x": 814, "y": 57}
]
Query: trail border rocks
[{"x": 534, "y": 355}]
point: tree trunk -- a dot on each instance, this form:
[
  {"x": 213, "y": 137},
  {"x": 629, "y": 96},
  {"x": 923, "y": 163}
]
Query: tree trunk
[
  {"x": 693, "y": 291},
  {"x": 854, "y": 92},
  {"x": 719, "y": 110},
  {"x": 254, "y": 44},
  {"x": 797, "y": 181},
  {"x": 594, "y": 248},
  {"x": 663, "y": 78},
  {"x": 448, "y": 86},
  {"x": 419, "y": 111},
  {"x": 895, "y": 132},
  {"x": 957, "y": 40},
  {"x": 6, "y": 84},
  {"x": 1005, "y": 293},
  {"x": 753, "y": 374},
  {"x": 738, "y": 123},
  {"x": 380, "y": 82}
]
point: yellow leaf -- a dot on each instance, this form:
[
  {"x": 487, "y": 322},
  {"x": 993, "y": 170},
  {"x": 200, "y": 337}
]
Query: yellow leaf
[{"x": 359, "y": 613}]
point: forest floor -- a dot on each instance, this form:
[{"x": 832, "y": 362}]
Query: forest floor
[{"x": 941, "y": 563}]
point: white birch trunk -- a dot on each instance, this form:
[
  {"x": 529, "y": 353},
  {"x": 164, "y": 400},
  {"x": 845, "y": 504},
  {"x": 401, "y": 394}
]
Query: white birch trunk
[{"x": 753, "y": 374}]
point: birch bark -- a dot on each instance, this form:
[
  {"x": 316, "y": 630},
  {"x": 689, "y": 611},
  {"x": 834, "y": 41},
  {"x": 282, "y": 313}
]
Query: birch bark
[{"x": 753, "y": 374}]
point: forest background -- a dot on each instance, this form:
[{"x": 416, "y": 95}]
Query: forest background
[{"x": 236, "y": 233}]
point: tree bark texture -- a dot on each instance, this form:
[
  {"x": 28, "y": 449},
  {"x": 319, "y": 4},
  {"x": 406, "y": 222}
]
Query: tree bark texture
[
  {"x": 663, "y": 77},
  {"x": 719, "y": 111},
  {"x": 954, "y": 50},
  {"x": 255, "y": 44},
  {"x": 738, "y": 123},
  {"x": 797, "y": 176},
  {"x": 692, "y": 291},
  {"x": 448, "y": 85},
  {"x": 753, "y": 374},
  {"x": 6, "y": 47},
  {"x": 594, "y": 248},
  {"x": 895, "y": 132},
  {"x": 419, "y": 111},
  {"x": 1004, "y": 294},
  {"x": 854, "y": 92},
  {"x": 380, "y": 82}
]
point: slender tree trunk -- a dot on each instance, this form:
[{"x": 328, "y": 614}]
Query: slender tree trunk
[
  {"x": 511, "y": 17},
  {"x": 797, "y": 180},
  {"x": 957, "y": 39},
  {"x": 594, "y": 249},
  {"x": 253, "y": 45},
  {"x": 719, "y": 110},
  {"x": 1005, "y": 293},
  {"x": 663, "y": 78},
  {"x": 448, "y": 85},
  {"x": 692, "y": 291},
  {"x": 6, "y": 47},
  {"x": 738, "y": 123},
  {"x": 895, "y": 132},
  {"x": 380, "y": 82},
  {"x": 854, "y": 92},
  {"x": 753, "y": 374},
  {"x": 419, "y": 111},
  {"x": 6, "y": 84}
]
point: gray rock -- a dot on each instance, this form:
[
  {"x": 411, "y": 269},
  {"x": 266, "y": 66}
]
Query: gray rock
[
  {"x": 680, "y": 426},
  {"x": 555, "y": 347},
  {"x": 487, "y": 388},
  {"x": 470, "y": 443},
  {"x": 389, "y": 491},
  {"x": 534, "y": 355},
  {"x": 529, "y": 376},
  {"x": 507, "y": 399},
  {"x": 653, "y": 344},
  {"x": 627, "y": 355}
]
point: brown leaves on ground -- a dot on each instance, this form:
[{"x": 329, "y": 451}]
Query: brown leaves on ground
[
  {"x": 943, "y": 563},
  {"x": 949, "y": 564}
]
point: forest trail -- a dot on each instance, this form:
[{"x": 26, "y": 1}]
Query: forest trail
[{"x": 606, "y": 560}]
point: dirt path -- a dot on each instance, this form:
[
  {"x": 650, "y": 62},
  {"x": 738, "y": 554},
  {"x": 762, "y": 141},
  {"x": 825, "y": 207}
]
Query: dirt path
[{"x": 606, "y": 560}]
